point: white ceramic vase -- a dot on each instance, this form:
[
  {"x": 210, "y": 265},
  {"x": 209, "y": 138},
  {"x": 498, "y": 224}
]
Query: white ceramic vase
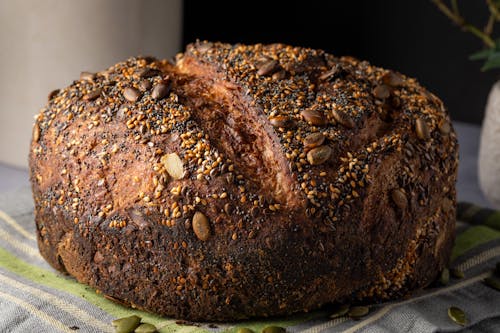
[{"x": 489, "y": 149}]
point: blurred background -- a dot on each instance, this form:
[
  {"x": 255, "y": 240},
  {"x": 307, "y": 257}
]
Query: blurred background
[
  {"x": 46, "y": 44},
  {"x": 410, "y": 36}
]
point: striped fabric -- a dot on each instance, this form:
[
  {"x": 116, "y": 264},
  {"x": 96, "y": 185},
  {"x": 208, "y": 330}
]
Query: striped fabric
[{"x": 35, "y": 298}]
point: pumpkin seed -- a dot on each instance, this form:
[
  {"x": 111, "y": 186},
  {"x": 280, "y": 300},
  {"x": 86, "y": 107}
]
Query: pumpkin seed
[
  {"x": 340, "y": 311},
  {"x": 314, "y": 140},
  {"x": 328, "y": 74},
  {"x": 282, "y": 121},
  {"x": 114, "y": 299},
  {"x": 131, "y": 94},
  {"x": 201, "y": 227},
  {"x": 126, "y": 324},
  {"x": 381, "y": 91},
  {"x": 145, "y": 328},
  {"x": 160, "y": 90},
  {"x": 228, "y": 208},
  {"x": 52, "y": 94},
  {"x": 147, "y": 72},
  {"x": 273, "y": 329},
  {"x": 244, "y": 330},
  {"x": 392, "y": 79},
  {"x": 204, "y": 46},
  {"x": 92, "y": 95},
  {"x": 422, "y": 129},
  {"x": 356, "y": 312},
  {"x": 444, "y": 127},
  {"x": 145, "y": 85},
  {"x": 492, "y": 282},
  {"x": 457, "y": 315},
  {"x": 334, "y": 73},
  {"x": 314, "y": 117},
  {"x": 456, "y": 273},
  {"x": 268, "y": 67},
  {"x": 173, "y": 164},
  {"x": 36, "y": 133},
  {"x": 279, "y": 75},
  {"x": 444, "y": 277},
  {"x": 87, "y": 76},
  {"x": 399, "y": 198},
  {"x": 343, "y": 118},
  {"x": 319, "y": 155}
]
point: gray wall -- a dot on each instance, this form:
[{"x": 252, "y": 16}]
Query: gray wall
[{"x": 46, "y": 44}]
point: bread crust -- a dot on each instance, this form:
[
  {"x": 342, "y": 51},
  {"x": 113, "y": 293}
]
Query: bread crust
[{"x": 264, "y": 219}]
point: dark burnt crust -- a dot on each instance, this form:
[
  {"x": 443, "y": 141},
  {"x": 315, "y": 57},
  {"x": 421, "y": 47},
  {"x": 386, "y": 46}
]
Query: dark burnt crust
[{"x": 109, "y": 214}]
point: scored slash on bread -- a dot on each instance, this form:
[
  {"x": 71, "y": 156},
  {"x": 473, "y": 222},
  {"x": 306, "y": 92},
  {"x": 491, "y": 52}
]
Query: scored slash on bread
[{"x": 244, "y": 181}]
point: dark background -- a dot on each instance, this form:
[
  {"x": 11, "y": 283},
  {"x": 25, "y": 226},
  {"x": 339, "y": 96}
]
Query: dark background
[{"x": 410, "y": 36}]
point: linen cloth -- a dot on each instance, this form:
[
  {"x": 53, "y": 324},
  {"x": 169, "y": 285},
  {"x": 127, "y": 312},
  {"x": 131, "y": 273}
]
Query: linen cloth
[{"x": 36, "y": 298}]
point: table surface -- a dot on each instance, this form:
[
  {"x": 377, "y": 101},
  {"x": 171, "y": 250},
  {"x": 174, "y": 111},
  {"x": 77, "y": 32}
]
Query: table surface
[{"x": 467, "y": 185}]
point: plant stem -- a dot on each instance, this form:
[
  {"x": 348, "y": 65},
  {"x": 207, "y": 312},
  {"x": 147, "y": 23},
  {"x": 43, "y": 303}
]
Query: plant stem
[
  {"x": 494, "y": 9},
  {"x": 480, "y": 34},
  {"x": 488, "y": 29},
  {"x": 457, "y": 18},
  {"x": 454, "y": 5},
  {"x": 460, "y": 21}
]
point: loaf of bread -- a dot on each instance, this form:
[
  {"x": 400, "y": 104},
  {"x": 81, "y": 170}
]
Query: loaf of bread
[{"x": 245, "y": 181}]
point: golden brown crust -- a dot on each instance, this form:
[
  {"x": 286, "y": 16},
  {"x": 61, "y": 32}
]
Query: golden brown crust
[{"x": 245, "y": 181}]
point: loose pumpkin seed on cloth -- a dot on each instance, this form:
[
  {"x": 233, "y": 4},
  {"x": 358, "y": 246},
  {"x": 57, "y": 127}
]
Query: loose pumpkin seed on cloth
[
  {"x": 457, "y": 315},
  {"x": 34, "y": 298}
]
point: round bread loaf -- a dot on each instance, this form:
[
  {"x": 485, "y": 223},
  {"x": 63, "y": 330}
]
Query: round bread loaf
[{"x": 245, "y": 181}]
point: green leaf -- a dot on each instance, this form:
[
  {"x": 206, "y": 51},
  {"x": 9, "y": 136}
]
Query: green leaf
[
  {"x": 490, "y": 55},
  {"x": 483, "y": 54},
  {"x": 492, "y": 62}
]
